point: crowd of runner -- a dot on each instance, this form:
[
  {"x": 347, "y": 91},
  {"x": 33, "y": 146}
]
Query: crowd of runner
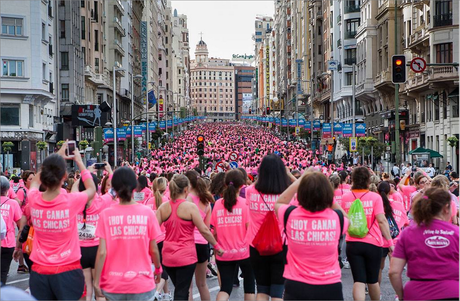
[{"x": 285, "y": 219}]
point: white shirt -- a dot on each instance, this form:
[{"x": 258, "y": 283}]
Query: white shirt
[
  {"x": 396, "y": 170},
  {"x": 3, "y": 228},
  {"x": 431, "y": 172}
]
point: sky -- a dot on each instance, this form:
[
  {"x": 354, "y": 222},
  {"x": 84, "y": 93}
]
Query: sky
[{"x": 227, "y": 26}]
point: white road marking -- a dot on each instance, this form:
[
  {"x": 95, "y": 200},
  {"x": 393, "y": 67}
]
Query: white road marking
[
  {"x": 16, "y": 281},
  {"x": 212, "y": 289}
]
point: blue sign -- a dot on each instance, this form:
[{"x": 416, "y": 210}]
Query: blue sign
[
  {"x": 284, "y": 122},
  {"x": 299, "y": 76},
  {"x": 301, "y": 122},
  {"x": 162, "y": 124},
  {"x": 327, "y": 129},
  {"x": 307, "y": 126},
  {"x": 144, "y": 127},
  {"x": 169, "y": 123},
  {"x": 233, "y": 164},
  {"x": 152, "y": 126},
  {"x": 137, "y": 131},
  {"x": 338, "y": 128},
  {"x": 128, "y": 131},
  {"x": 316, "y": 125},
  {"x": 360, "y": 129},
  {"x": 121, "y": 134},
  {"x": 347, "y": 130},
  {"x": 108, "y": 134},
  {"x": 292, "y": 122}
]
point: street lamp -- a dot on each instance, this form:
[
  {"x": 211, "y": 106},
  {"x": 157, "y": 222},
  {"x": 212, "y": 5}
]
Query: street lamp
[
  {"x": 132, "y": 113},
  {"x": 115, "y": 69}
]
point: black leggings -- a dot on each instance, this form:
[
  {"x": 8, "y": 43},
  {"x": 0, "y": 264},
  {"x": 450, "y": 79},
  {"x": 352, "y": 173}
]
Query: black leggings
[
  {"x": 28, "y": 261},
  {"x": 365, "y": 260},
  {"x": 63, "y": 286},
  {"x": 181, "y": 277},
  {"x": 164, "y": 275},
  {"x": 295, "y": 290},
  {"x": 268, "y": 271},
  {"x": 227, "y": 273},
  {"x": 7, "y": 257}
]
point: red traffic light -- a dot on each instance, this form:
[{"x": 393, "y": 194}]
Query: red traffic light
[
  {"x": 200, "y": 138},
  {"x": 398, "y": 62},
  {"x": 268, "y": 110}
]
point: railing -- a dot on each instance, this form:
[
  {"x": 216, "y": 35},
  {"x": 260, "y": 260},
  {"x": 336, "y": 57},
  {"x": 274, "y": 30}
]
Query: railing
[
  {"x": 442, "y": 20},
  {"x": 352, "y": 8},
  {"x": 350, "y": 34}
]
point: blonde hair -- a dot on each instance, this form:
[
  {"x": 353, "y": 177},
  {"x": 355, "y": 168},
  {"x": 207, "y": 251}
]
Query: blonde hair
[
  {"x": 440, "y": 181},
  {"x": 177, "y": 185},
  {"x": 159, "y": 186}
]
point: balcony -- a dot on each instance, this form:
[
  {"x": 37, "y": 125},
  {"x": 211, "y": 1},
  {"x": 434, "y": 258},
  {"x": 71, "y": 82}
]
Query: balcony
[
  {"x": 118, "y": 25},
  {"x": 350, "y": 61},
  {"x": 339, "y": 43},
  {"x": 352, "y": 8},
  {"x": 118, "y": 47},
  {"x": 419, "y": 39},
  {"x": 350, "y": 34},
  {"x": 119, "y": 6},
  {"x": 442, "y": 20},
  {"x": 443, "y": 73}
]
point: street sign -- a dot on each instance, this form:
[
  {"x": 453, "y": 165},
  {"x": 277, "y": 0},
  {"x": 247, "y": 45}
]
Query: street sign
[
  {"x": 233, "y": 165},
  {"x": 332, "y": 65},
  {"x": 297, "y": 130},
  {"x": 220, "y": 167},
  {"x": 353, "y": 144},
  {"x": 233, "y": 156},
  {"x": 418, "y": 65}
]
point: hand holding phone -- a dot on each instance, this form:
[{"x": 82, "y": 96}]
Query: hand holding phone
[
  {"x": 99, "y": 165},
  {"x": 70, "y": 150}
]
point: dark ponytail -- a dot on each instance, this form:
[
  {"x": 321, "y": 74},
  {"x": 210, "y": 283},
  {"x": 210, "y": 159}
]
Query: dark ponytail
[
  {"x": 52, "y": 171},
  {"x": 124, "y": 182},
  {"x": 199, "y": 185},
  {"x": 426, "y": 207},
  {"x": 233, "y": 182},
  {"x": 384, "y": 190}
]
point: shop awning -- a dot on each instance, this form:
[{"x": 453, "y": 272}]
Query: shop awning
[
  {"x": 421, "y": 150},
  {"x": 453, "y": 93}
]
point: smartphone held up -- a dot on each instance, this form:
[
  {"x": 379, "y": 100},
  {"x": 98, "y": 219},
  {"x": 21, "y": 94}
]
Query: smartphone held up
[{"x": 71, "y": 146}]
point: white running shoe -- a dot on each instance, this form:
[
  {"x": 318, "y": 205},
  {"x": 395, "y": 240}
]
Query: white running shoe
[
  {"x": 396, "y": 298},
  {"x": 167, "y": 297},
  {"x": 158, "y": 296},
  {"x": 346, "y": 264}
]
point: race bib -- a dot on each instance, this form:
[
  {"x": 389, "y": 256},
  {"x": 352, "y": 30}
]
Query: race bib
[
  {"x": 88, "y": 233},
  {"x": 138, "y": 196}
]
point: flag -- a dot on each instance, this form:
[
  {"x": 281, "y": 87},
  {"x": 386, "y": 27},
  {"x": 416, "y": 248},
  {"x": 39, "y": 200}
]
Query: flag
[{"x": 152, "y": 99}]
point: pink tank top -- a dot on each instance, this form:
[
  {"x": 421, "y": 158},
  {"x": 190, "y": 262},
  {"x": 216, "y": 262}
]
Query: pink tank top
[
  {"x": 199, "y": 239},
  {"x": 179, "y": 246}
]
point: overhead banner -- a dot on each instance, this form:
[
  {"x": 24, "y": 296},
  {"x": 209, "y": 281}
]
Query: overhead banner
[
  {"x": 347, "y": 130},
  {"x": 161, "y": 106},
  {"x": 338, "y": 127},
  {"x": 88, "y": 116},
  {"x": 307, "y": 126},
  {"x": 267, "y": 72},
  {"x": 327, "y": 130},
  {"x": 108, "y": 135},
  {"x": 144, "y": 60},
  {"x": 247, "y": 101},
  {"x": 121, "y": 134},
  {"x": 137, "y": 131},
  {"x": 360, "y": 129},
  {"x": 316, "y": 125}
]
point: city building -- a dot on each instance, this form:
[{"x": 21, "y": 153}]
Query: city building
[
  {"x": 29, "y": 98},
  {"x": 212, "y": 85},
  {"x": 243, "y": 89}
]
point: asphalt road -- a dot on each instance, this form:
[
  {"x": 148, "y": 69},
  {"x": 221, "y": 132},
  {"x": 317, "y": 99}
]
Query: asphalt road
[{"x": 21, "y": 281}]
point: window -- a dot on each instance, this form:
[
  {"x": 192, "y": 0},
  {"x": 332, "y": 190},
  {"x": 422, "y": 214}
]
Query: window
[
  {"x": 83, "y": 50},
  {"x": 9, "y": 114},
  {"x": 348, "y": 79},
  {"x": 350, "y": 58},
  {"x": 444, "y": 53},
  {"x": 64, "y": 61},
  {"x": 455, "y": 111},
  {"x": 83, "y": 28},
  {"x": 62, "y": 28},
  {"x": 443, "y": 13},
  {"x": 43, "y": 31},
  {"x": 13, "y": 68},
  {"x": 96, "y": 40},
  {"x": 65, "y": 91},
  {"x": 436, "y": 107},
  {"x": 12, "y": 26},
  {"x": 82, "y": 3},
  {"x": 96, "y": 64},
  {"x": 44, "y": 72},
  {"x": 352, "y": 28},
  {"x": 31, "y": 116}
]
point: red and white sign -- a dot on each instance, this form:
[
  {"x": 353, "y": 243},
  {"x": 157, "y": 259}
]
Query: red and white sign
[
  {"x": 233, "y": 156},
  {"x": 418, "y": 65},
  {"x": 220, "y": 167}
]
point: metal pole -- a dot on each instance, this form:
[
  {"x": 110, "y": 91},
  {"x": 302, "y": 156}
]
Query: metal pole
[
  {"x": 132, "y": 118},
  {"x": 353, "y": 90},
  {"x": 397, "y": 139},
  {"x": 165, "y": 106},
  {"x": 332, "y": 104},
  {"x": 174, "y": 111},
  {"x": 311, "y": 113},
  {"x": 147, "y": 132},
  {"x": 114, "y": 118}
]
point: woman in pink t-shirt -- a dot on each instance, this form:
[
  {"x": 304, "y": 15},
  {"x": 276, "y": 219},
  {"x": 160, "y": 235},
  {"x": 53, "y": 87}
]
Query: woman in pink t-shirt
[
  {"x": 313, "y": 232},
  {"x": 127, "y": 245},
  {"x": 202, "y": 198},
  {"x": 143, "y": 191},
  {"x": 230, "y": 219},
  {"x": 56, "y": 270},
  {"x": 441, "y": 181},
  {"x": 407, "y": 190},
  {"x": 430, "y": 248},
  {"x": 179, "y": 252},
  {"x": 365, "y": 253},
  {"x": 261, "y": 198}
]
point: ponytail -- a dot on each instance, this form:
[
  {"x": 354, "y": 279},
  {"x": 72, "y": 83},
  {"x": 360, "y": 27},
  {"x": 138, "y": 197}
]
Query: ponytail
[
  {"x": 233, "y": 181},
  {"x": 426, "y": 207},
  {"x": 177, "y": 185},
  {"x": 384, "y": 190},
  {"x": 159, "y": 186}
]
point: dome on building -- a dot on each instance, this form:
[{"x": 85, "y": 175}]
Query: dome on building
[{"x": 202, "y": 43}]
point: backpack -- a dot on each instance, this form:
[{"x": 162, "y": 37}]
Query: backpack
[
  {"x": 357, "y": 217},
  {"x": 268, "y": 239},
  {"x": 394, "y": 230},
  {"x": 339, "y": 247}
]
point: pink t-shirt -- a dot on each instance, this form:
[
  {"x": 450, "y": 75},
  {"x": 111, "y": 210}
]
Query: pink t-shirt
[
  {"x": 55, "y": 227},
  {"x": 199, "y": 239},
  {"x": 432, "y": 255},
  {"x": 128, "y": 230},
  {"x": 313, "y": 238},
  {"x": 11, "y": 193},
  {"x": 87, "y": 231},
  {"x": 152, "y": 205},
  {"x": 406, "y": 192},
  {"x": 11, "y": 213},
  {"x": 397, "y": 197},
  {"x": 231, "y": 229},
  {"x": 258, "y": 210},
  {"x": 373, "y": 205},
  {"x": 400, "y": 216},
  {"x": 338, "y": 194}
]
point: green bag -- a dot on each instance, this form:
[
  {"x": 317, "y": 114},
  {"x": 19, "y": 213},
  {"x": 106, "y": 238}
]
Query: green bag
[{"x": 358, "y": 222}]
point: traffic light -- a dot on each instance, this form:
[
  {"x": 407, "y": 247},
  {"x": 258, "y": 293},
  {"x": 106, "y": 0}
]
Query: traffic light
[
  {"x": 200, "y": 145},
  {"x": 399, "y": 69},
  {"x": 250, "y": 111},
  {"x": 268, "y": 110}
]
